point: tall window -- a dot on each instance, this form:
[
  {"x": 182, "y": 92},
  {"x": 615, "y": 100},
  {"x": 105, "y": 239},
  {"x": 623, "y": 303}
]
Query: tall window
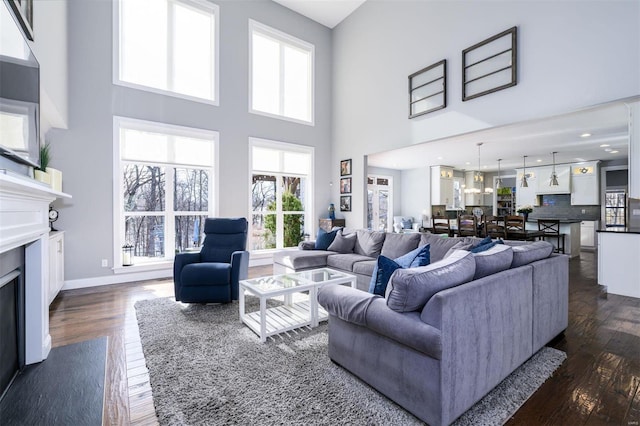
[
  {"x": 281, "y": 80},
  {"x": 165, "y": 187},
  {"x": 168, "y": 46},
  {"x": 281, "y": 182},
  {"x": 615, "y": 212}
]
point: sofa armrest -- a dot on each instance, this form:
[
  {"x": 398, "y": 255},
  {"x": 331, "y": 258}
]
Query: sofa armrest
[
  {"x": 239, "y": 271},
  {"x": 307, "y": 245},
  {"x": 180, "y": 261},
  {"x": 348, "y": 304}
]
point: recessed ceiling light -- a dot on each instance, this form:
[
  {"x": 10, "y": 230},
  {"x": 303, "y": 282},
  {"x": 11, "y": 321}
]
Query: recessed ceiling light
[
  {"x": 539, "y": 160},
  {"x": 608, "y": 149},
  {"x": 580, "y": 159},
  {"x": 615, "y": 151},
  {"x": 467, "y": 163},
  {"x": 439, "y": 158},
  {"x": 585, "y": 135},
  {"x": 604, "y": 145}
]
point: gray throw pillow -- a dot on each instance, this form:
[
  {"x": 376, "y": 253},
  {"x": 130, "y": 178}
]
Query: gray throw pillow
[
  {"x": 369, "y": 243},
  {"x": 527, "y": 253},
  {"x": 343, "y": 244},
  {"x": 395, "y": 245},
  {"x": 460, "y": 245},
  {"x": 497, "y": 258},
  {"x": 410, "y": 289}
]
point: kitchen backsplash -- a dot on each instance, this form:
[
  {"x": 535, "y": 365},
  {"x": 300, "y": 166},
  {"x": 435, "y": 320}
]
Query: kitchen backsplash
[{"x": 559, "y": 206}]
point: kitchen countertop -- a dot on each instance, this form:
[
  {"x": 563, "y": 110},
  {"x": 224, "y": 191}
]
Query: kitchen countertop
[
  {"x": 535, "y": 220},
  {"x": 620, "y": 230}
]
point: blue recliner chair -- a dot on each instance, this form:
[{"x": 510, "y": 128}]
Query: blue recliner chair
[{"x": 212, "y": 275}]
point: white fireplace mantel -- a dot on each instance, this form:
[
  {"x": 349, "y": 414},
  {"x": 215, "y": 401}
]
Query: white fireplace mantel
[{"x": 24, "y": 221}]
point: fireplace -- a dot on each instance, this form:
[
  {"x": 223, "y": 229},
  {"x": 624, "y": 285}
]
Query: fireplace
[
  {"x": 24, "y": 235},
  {"x": 11, "y": 317}
]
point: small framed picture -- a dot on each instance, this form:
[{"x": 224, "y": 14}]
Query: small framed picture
[
  {"x": 345, "y": 185},
  {"x": 345, "y": 168},
  {"x": 23, "y": 9},
  {"x": 345, "y": 203}
]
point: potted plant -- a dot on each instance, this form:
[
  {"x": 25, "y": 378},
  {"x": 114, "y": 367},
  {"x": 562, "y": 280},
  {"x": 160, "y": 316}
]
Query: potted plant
[
  {"x": 524, "y": 211},
  {"x": 40, "y": 173}
]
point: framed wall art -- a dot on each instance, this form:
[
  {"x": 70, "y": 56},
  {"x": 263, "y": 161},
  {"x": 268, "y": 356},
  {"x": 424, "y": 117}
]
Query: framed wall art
[
  {"x": 345, "y": 167},
  {"x": 428, "y": 89},
  {"x": 345, "y": 185},
  {"x": 345, "y": 203},
  {"x": 490, "y": 65},
  {"x": 23, "y": 9}
]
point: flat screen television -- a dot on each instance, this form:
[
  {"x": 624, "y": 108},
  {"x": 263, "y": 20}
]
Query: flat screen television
[{"x": 19, "y": 93}]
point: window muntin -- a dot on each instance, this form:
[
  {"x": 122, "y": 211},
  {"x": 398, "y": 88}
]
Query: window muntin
[
  {"x": 163, "y": 186},
  {"x": 281, "y": 179},
  {"x": 281, "y": 74},
  {"x": 168, "y": 46}
]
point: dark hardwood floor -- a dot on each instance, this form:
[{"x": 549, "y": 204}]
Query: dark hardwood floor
[{"x": 599, "y": 383}]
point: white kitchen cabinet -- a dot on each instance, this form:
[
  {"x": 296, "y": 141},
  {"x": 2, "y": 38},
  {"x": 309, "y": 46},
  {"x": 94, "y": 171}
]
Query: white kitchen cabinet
[
  {"x": 56, "y": 264},
  {"x": 528, "y": 195},
  {"x": 585, "y": 184},
  {"x": 442, "y": 186},
  {"x": 543, "y": 174},
  {"x": 588, "y": 234},
  {"x": 473, "y": 195}
]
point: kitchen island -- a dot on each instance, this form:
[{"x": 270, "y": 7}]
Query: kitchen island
[
  {"x": 619, "y": 260},
  {"x": 569, "y": 227}
]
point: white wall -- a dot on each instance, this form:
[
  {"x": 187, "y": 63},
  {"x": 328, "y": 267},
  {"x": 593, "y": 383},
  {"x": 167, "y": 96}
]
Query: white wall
[
  {"x": 416, "y": 192},
  {"x": 50, "y": 48},
  {"x": 571, "y": 55},
  {"x": 84, "y": 152}
]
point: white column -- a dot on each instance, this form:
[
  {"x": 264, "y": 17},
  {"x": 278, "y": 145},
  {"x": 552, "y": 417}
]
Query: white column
[
  {"x": 634, "y": 150},
  {"x": 37, "y": 337}
]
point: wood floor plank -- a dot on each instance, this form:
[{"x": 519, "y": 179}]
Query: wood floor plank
[{"x": 599, "y": 383}]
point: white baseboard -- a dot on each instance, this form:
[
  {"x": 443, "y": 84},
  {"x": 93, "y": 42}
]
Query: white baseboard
[
  {"x": 117, "y": 279},
  {"x": 142, "y": 276}
]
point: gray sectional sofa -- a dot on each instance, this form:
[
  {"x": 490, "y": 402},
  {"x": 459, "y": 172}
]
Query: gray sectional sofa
[{"x": 445, "y": 334}]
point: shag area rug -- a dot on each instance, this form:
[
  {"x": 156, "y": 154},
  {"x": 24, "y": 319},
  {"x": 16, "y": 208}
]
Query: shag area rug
[{"x": 207, "y": 368}]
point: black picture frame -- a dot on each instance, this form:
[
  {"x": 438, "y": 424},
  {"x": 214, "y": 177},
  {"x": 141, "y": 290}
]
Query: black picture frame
[
  {"x": 345, "y": 167},
  {"x": 345, "y": 203},
  {"x": 23, "y": 10},
  {"x": 345, "y": 185},
  {"x": 491, "y": 65},
  {"x": 428, "y": 89}
]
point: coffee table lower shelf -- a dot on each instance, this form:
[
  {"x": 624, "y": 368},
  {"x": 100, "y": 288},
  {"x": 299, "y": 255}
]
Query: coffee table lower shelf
[{"x": 283, "y": 318}]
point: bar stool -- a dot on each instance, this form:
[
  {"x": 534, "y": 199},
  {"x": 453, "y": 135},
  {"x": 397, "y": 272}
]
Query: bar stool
[{"x": 551, "y": 229}]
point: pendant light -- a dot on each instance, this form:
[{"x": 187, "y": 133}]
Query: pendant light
[
  {"x": 523, "y": 181},
  {"x": 499, "y": 180},
  {"x": 553, "y": 180},
  {"x": 477, "y": 177}
]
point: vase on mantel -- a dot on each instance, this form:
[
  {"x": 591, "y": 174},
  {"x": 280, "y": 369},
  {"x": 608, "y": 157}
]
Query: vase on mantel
[{"x": 526, "y": 216}]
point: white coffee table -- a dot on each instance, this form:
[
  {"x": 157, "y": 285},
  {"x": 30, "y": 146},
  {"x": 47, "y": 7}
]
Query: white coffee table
[{"x": 298, "y": 310}]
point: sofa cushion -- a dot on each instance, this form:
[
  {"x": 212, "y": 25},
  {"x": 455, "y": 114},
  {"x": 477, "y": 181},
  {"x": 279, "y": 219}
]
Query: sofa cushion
[
  {"x": 302, "y": 259},
  {"x": 345, "y": 261},
  {"x": 493, "y": 260},
  {"x": 365, "y": 267},
  {"x": 485, "y": 240},
  {"x": 460, "y": 245},
  {"x": 440, "y": 245},
  {"x": 385, "y": 267},
  {"x": 324, "y": 239},
  {"x": 395, "y": 245},
  {"x": 369, "y": 243},
  {"x": 527, "y": 253},
  {"x": 410, "y": 289},
  {"x": 343, "y": 243}
]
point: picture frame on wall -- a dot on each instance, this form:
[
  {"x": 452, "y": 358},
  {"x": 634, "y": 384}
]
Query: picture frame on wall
[
  {"x": 345, "y": 168},
  {"x": 428, "y": 89},
  {"x": 23, "y": 9},
  {"x": 345, "y": 185},
  {"x": 345, "y": 203}
]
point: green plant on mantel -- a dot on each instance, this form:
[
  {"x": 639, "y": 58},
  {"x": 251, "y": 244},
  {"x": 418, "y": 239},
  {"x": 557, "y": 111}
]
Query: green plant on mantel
[{"x": 45, "y": 157}]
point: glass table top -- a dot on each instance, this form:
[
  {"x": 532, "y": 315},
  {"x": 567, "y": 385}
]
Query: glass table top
[{"x": 295, "y": 279}]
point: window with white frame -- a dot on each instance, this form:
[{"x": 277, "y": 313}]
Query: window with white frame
[
  {"x": 165, "y": 187},
  {"x": 168, "y": 46},
  {"x": 281, "y": 200},
  {"x": 281, "y": 74}
]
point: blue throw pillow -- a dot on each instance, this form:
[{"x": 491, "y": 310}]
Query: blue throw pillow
[
  {"x": 485, "y": 240},
  {"x": 407, "y": 224},
  {"x": 483, "y": 247},
  {"x": 417, "y": 257},
  {"x": 324, "y": 239}
]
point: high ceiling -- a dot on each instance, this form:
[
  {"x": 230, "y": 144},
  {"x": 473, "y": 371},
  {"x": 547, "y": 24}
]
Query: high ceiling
[
  {"x": 537, "y": 139},
  {"x": 327, "y": 12}
]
